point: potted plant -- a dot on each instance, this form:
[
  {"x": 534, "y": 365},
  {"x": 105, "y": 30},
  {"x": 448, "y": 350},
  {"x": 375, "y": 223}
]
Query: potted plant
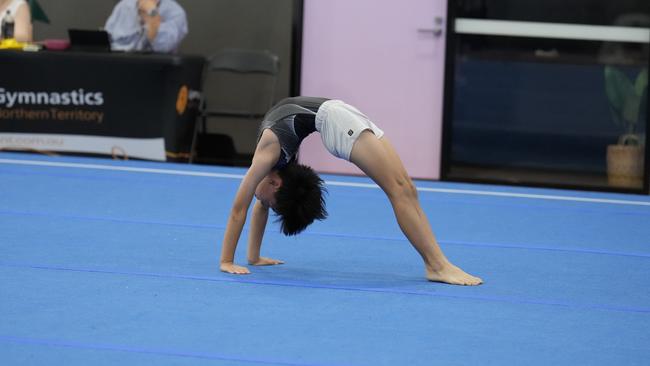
[{"x": 627, "y": 101}]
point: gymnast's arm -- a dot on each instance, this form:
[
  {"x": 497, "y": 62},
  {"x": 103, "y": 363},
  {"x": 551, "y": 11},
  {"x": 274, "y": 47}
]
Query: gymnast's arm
[
  {"x": 255, "y": 234},
  {"x": 266, "y": 155}
]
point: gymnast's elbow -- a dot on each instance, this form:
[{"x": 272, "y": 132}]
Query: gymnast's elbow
[{"x": 237, "y": 216}]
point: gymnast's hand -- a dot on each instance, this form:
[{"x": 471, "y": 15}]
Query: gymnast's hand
[
  {"x": 263, "y": 261},
  {"x": 230, "y": 267}
]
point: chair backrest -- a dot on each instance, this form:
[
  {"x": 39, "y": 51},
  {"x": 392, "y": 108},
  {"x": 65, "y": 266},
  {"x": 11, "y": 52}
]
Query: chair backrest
[
  {"x": 245, "y": 61},
  {"x": 261, "y": 65}
]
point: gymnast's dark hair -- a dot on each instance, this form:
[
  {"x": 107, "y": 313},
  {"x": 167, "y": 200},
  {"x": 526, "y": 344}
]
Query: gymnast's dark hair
[{"x": 300, "y": 199}]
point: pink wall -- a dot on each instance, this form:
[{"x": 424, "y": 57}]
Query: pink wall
[{"x": 370, "y": 54}]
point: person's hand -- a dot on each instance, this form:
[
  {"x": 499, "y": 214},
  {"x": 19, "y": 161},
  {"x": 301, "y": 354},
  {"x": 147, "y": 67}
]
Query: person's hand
[
  {"x": 263, "y": 261},
  {"x": 230, "y": 267}
]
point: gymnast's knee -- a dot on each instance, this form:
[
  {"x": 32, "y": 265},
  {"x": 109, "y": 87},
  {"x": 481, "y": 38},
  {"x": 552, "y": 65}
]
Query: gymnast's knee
[{"x": 403, "y": 188}]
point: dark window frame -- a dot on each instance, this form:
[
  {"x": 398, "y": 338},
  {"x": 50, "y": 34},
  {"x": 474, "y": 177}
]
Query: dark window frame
[
  {"x": 296, "y": 49},
  {"x": 448, "y": 116}
]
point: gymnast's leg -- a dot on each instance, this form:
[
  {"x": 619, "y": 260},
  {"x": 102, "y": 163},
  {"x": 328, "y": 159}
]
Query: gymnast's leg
[{"x": 378, "y": 159}]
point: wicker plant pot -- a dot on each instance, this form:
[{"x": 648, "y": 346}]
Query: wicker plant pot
[{"x": 625, "y": 166}]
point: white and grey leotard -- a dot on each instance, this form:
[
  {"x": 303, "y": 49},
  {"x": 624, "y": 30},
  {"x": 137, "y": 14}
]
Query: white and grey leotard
[{"x": 291, "y": 120}]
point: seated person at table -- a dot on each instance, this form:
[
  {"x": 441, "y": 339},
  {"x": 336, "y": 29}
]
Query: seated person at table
[
  {"x": 147, "y": 25},
  {"x": 19, "y": 10}
]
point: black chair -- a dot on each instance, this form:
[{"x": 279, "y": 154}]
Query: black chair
[{"x": 257, "y": 71}]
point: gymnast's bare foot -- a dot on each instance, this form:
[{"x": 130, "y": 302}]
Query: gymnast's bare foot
[{"x": 452, "y": 275}]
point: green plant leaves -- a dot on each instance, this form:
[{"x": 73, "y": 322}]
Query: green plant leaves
[
  {"x": 641, "y": 82},
  {"x": 618, "y": 87},
  {"x": 624, "y": 96}
]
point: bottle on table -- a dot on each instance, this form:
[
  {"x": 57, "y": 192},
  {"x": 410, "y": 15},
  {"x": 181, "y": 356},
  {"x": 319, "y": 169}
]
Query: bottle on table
[{"x": 8, "y": 26}]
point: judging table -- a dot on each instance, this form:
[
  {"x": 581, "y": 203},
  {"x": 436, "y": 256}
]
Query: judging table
[{"x": 132, "y": 104}]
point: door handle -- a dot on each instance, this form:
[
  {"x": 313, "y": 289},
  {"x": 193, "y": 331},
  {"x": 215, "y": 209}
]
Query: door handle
[
  {"x": 437, "y": 29},
  {"x": 437, "y": 32}
]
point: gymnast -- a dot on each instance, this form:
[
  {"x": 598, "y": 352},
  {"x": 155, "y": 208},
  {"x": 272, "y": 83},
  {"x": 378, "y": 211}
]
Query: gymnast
[{"x": 295, "y": 192}]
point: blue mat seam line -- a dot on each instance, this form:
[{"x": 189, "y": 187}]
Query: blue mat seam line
[
  {"x": 320, "y": 233},
  {"x": 163, "y": 352},
  {"x": 551, "y": 249},
  {"x": 488, "y": 245},
  {"x": 340, "y": 288},
  {"x": 108, "y": 219}
]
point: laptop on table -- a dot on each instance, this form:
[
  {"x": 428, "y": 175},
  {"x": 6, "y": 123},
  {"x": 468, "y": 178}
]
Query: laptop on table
[{"x": 89, "y": 40}]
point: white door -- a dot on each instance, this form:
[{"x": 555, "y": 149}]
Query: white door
[{"x": 386, "y": 58}]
